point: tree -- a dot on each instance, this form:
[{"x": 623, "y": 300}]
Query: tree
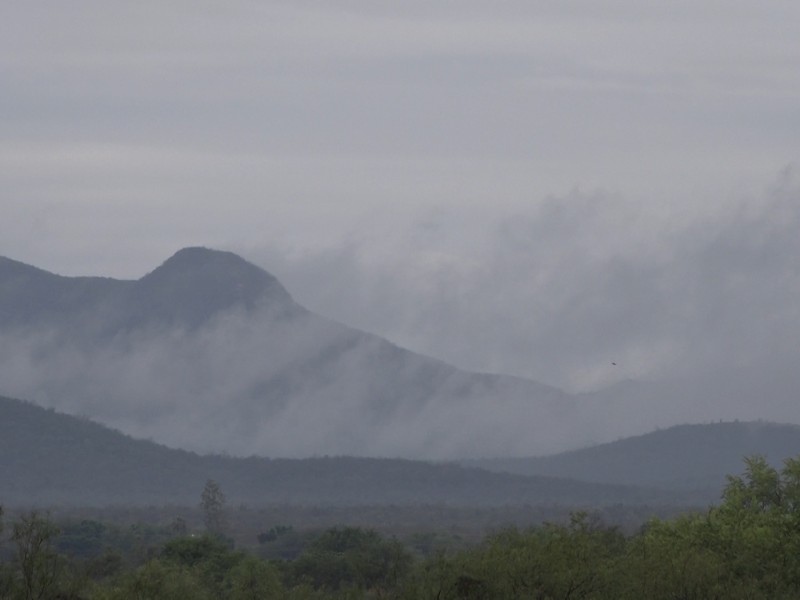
[
  {"x": 209, "y": 556},
  {"x": 352, "y": 557},
  {"x": 6, "y": 576},
  {"x": 212, "y": 502},
  {"x": 178, "y": 527},
  {"x": 157, "y": 579},
  {"x": 39, "y": 564},
  {"x": 254, "y": 579}
]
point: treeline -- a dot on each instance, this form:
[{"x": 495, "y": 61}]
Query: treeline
[{"x": 748, "y": 546}]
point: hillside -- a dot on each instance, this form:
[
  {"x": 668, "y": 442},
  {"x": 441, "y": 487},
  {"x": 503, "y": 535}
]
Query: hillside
[
  {"x": 210, "y": 353},
  {"x": 186, "y": 291},
  {"x": 684, "y": 457},
  {"x": 51, "y": 458}
]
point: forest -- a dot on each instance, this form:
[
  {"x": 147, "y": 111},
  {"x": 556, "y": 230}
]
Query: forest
[{"x": 746, "y": 546}]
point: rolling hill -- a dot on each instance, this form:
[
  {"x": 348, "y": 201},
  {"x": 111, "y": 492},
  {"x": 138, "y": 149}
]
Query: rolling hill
[
  {"x": 681, "y": 458},
  {"x": 50, "y": 458}
]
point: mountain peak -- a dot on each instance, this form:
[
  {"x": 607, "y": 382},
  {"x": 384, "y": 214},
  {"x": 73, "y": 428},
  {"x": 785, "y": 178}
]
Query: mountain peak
[
  {"x": 196, "y": 256},
  {"x": 197, "y": 282},
  {"x": 187, "y": 290}
]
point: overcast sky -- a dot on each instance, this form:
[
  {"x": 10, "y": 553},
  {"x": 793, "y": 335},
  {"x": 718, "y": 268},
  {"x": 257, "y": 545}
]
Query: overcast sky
[{"x": 537, "y": 188}]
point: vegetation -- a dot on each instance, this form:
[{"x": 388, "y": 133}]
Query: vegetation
[
  {"x": 50, "y": 457},
  {"x": 689, "y": 458},
  {"x": 212, "y": 501},
  {"x": 748, "y": 546}
]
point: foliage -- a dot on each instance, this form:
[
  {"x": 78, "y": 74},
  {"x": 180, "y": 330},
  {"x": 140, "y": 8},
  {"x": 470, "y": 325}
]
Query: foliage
[
  {"x": 212, "y": 501},
  {"x": 39, "y": 565},
  {"x": 554, "y": 561},
  {"x": 53, "y": 458},
  {"x": 6, "y": 574},
  {"x": 284, "y": 542},
  {"x": 253, "y": 579},
  {"x": 84, "y": 539},
  {"x": 211, "y": 556},
  {"x": 747, "y": 547},
  {"x": 157, "y": 580},
  {"x": 352, "y": 557}
]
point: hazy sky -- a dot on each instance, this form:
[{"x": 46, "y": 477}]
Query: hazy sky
[{"x": 530, "y": 187}]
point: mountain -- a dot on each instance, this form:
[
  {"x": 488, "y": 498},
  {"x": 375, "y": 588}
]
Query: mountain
[
  {"x": 51, "y": 458},
  {"x": 186, "y": 291},
  {"x": 209, "y": 352},
  {"x": 681, "y": 458}
]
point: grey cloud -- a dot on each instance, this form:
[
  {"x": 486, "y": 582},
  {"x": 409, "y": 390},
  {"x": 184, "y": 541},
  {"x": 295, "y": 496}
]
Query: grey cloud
[
  {"x": 585, "y": 280},
  {"x": 704, "y": 309},
  {"x": 254, "y": 384},
  {"x": 314, "y": 78},
  {"x": 389, "y": 160},
  {"x": 304, "y": 122}
]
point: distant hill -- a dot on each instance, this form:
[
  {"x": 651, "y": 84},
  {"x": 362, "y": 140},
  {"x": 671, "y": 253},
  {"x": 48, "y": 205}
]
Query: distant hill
[
  {"x": 186, "y": 291},
  {"x": 210, "y": 353},
  {"x": 680, "y": 458},
  {"x": 49, "y": 458}
]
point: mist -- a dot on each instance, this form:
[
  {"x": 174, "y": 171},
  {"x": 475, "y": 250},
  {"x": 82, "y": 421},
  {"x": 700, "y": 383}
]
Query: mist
[
  {"x": 697, "y": 311},
  {"x": 581, "y": 213},
  {"x": 579, "y": 281},
  {"x": 253, "y": 384}
]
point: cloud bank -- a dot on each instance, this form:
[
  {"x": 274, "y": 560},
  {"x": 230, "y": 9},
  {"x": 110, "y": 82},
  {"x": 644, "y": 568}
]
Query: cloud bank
[{"x": 579, "y": 282}]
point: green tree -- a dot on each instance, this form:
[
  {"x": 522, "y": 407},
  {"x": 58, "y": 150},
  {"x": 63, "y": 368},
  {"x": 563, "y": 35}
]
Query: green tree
[
  {"x": 254, "y": 579},
  {"x": 38, "y": 563},
  {"x": 83, "y": 539},
  {"x": 757, "y": 529},
  {"x": 208, "y": 555},
  {"x": 674, "y": 559},
  {"x": 551, "y": 561},
  {"x": 157, "y": 580},
  {"x": 212, "y": 502},
  {"x": 352, "y": 557},
  {"x": 747, "y": 547},
  {"x": 6, "y": 576}
]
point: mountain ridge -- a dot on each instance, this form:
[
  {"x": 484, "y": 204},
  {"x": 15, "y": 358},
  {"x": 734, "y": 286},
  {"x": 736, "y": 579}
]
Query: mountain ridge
[
  {"x": 683, "y": 457},
  {"x": 47, "y": 457},
  {"x": 186, "y": 290},
  {"x": 211, "y": 353}
]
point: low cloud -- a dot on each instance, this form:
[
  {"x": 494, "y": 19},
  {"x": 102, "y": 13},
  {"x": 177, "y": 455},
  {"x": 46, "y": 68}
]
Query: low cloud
[
  {"x": 579, "y": 282},
  {"x": 255, "y": 384},
  {"x": 700, "y": 310}
]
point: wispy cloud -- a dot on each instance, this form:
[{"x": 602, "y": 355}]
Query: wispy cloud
[{"x": 560, "y": 292}]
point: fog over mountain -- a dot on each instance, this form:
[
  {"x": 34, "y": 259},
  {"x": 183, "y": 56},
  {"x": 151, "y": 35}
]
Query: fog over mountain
[
  {"x": 209, "y": 352},
  {"x": 560, "y": 290},
  {"x": 48, "y": 457},
  {"x": 601, "y": 197}
]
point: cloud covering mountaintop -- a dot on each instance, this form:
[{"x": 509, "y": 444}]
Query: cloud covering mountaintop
[
  {"x": 530, "y": 188},
  {"x": 209, "y": 352}
]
